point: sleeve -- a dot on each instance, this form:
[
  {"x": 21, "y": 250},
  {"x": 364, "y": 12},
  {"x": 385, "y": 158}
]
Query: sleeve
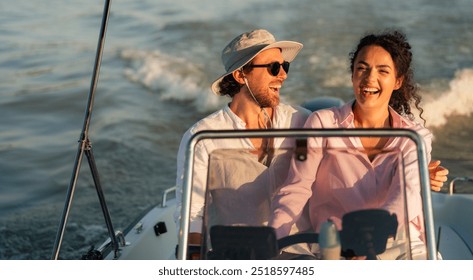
[
  {"x": 412, "y": 181},
  {"x": 414, "y": 197},
  {"x": 288, "y": 203},
  {"x": 199, "y": 181}
]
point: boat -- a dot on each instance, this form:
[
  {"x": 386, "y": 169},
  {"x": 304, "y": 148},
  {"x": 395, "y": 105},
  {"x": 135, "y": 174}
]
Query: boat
[
  {"x": 454, "y": 231},
  {"x": 154, "y": 236}
]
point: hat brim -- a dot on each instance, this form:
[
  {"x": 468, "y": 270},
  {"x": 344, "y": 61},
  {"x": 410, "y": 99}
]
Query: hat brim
[{"x": 289, "y": 50}]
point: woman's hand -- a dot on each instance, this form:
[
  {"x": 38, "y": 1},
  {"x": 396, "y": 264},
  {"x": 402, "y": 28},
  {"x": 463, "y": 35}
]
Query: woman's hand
[{"x": 438, "y": 175}]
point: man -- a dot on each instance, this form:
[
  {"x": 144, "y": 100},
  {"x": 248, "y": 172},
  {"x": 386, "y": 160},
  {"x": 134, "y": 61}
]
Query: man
[{"x": 256, "y": 67}]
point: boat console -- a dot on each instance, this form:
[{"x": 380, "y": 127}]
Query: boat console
[{"x": 240, "y": 189}]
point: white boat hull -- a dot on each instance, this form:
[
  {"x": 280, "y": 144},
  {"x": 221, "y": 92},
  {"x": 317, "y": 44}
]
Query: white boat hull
[
  {"x": 450, "y": 211},
  {"x": 142, "y": 242},
  {"x": 452, "y": 215}
]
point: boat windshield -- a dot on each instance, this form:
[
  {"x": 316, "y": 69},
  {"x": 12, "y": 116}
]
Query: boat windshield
[{"x": 371, "y": 200}]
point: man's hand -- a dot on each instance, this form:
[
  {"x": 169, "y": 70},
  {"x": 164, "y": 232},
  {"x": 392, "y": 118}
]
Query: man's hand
[
  {"x": 438, "y": 175},
  {"x": 195, "y": 239}
]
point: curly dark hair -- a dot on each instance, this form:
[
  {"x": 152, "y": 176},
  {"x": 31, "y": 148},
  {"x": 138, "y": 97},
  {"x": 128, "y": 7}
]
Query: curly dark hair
[
  {"x": 395, "y": 43},
  {"x": 229, "y": 86}
]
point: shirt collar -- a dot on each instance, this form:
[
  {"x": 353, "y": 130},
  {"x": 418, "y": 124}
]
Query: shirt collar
[
  {"x": 347, "y": 117},
  {"x": 240, "y": 124},
  {"x": 237, "y": 122}
]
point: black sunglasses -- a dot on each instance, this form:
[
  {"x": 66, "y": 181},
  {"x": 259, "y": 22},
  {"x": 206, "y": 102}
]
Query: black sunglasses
[{"x": 274, "y": 67}]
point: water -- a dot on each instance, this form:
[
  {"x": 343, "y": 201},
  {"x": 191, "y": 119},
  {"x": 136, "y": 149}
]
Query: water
[{"x": 158, "y": 62}]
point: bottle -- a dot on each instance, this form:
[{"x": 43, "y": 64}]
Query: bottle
[{"x": 329, "y": 241}]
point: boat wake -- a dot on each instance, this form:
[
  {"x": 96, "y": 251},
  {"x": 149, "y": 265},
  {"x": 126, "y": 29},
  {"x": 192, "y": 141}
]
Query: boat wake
[
  {"x": 175, "y": 78},
  {"x": 457, "y": 100}
]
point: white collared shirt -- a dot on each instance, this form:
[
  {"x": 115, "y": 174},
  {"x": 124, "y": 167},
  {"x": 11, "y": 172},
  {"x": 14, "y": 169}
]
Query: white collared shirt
[{"x": 285, "y": 116}]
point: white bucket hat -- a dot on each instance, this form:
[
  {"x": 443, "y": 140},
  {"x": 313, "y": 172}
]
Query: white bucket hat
[{"x": 246, "y": 46}]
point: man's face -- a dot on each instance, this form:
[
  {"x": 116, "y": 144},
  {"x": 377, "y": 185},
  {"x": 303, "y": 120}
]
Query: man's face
[{"x": 263, "y": 84}]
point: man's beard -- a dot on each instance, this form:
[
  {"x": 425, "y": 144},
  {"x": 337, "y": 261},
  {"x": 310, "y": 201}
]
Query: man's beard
[{"x": 268, "y": 100}]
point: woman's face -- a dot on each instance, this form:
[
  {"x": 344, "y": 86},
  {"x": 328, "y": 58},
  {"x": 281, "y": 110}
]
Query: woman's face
[{"x": 374, "y": 77}]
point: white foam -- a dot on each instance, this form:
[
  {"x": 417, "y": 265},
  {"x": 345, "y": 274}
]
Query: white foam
[
  {"x": 175, "y": 78},
  {"x": 458, "y": 99}
]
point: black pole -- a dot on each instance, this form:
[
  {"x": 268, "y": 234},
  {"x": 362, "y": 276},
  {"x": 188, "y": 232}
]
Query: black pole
[
  {"x": 84, "y": 137},
  {"x": 103, "y": 204}
]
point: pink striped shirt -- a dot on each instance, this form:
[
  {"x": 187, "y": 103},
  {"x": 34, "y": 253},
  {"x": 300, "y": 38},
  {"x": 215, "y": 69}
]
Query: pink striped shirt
[{"x": 336, "y": 182}]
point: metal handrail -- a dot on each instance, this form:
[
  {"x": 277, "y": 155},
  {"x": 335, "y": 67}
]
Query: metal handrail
[
  {"x": 165, "y": 194},
  {"x": 304, "y": 133},
  {"x": 451, "y": 187}
]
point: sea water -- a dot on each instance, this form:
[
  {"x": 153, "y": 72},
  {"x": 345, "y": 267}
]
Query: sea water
[{"x": 159, "y": 59}]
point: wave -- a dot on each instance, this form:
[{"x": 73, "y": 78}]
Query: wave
[
  {"x": 174, "y": 78},
  {"x": 456, "y": 100}
]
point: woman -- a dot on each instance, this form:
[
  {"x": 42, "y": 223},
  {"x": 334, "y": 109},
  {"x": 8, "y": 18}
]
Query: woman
[{"x": 336, "y": 183}]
